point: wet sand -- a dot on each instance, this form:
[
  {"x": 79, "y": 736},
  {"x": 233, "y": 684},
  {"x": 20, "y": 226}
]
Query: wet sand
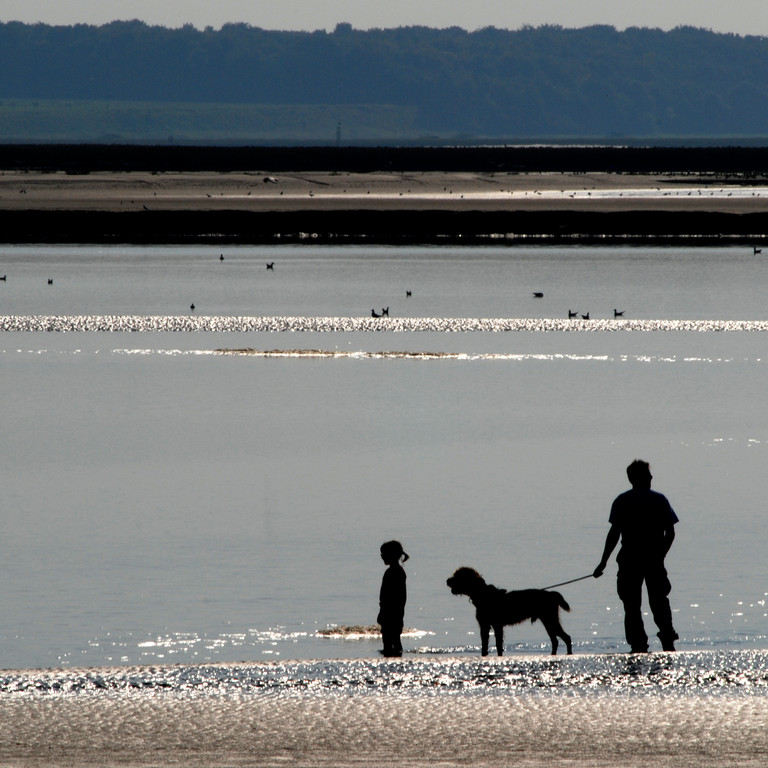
[
  {"x": 462, "y": 208},
  {"x": 162, "y": 729},
  {"x": 326, "y": 191}
]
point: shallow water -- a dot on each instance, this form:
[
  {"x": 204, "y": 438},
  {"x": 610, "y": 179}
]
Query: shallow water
[
  {"x": 166, "y": 504},
  {"x": 704, "y": 673},
  {"x": 307, "y": 281}
]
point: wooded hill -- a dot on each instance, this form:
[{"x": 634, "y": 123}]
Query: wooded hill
[{"x": 127, "y": 81}]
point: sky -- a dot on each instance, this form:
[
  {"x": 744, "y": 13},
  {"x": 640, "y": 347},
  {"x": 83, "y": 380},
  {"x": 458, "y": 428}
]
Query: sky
[{"x": 744, "y": 17}]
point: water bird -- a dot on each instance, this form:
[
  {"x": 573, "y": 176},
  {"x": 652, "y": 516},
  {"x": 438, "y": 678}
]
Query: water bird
[
  {"x": 385, "y": 312},
  {"x": 374, "y": 313},
  {"x": 270, "y": 265},
  {"x": 50, "y": 281},
  {"x": 572, "y": 313},
  {"x": 616, "y": 313},
  {"x": 585, "y": 317},
  {"x": 407, "y": 293},
  {"x": 192, "y": 307},
  {"x": 221, "y": 258},
  {"x": 3, "y": 277},
  {"x": 538, "y": 295}
]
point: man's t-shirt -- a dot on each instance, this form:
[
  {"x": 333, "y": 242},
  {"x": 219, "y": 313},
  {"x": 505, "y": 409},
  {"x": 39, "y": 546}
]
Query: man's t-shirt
[{"x": 642, "y": 515}]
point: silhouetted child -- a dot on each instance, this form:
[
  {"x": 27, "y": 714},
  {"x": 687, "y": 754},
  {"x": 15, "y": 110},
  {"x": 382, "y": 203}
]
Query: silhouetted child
[{"x": 392, "y": 598}]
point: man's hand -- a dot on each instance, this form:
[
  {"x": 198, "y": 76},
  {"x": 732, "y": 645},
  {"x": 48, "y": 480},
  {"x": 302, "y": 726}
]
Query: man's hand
[{"x": 611, "y": 540}]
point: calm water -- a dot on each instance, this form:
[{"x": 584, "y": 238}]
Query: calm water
[{"x": 163, "y": 504}]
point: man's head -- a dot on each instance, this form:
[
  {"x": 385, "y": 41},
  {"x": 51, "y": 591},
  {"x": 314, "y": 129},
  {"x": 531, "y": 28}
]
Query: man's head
[{"x": 639, "y": 474}]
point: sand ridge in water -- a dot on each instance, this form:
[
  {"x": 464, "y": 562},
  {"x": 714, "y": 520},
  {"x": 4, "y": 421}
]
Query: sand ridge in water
[
  {"x": 191, "y": 323},
  {"x": 204, "y": 191}
]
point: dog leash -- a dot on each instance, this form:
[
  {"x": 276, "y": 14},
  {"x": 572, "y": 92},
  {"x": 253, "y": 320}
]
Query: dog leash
[{"x": 571, "y": 581}]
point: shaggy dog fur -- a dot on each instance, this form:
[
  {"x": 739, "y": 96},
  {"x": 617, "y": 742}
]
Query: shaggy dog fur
[{"x": 496, "y": 608}]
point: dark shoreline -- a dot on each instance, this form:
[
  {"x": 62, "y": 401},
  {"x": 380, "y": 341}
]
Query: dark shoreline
[
  {"x": 396, "y": 227},
  {"x": 87, "y": 158},
  {"x": 58, "y": 176}
]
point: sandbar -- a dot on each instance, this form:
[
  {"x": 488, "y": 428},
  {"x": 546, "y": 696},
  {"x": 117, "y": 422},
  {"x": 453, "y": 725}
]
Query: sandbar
[
  {"x": 398, "y": 208},
  {"x": 450, "y": 191}
]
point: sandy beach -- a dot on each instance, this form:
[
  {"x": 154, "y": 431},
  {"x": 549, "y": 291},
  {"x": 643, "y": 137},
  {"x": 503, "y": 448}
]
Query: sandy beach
[
  {"x": 378, "y": 207},
  {"x": 455, "y": 191},
  {"x": 688, "y": 710},
  {"x": 162, "y": 729}
]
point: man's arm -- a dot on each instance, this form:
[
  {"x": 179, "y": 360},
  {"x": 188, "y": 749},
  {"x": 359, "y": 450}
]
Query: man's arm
[
  {"x": 669, "y": 537},
  {"x": 611, "y": 540}
]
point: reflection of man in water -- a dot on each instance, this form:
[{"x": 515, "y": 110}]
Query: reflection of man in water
[{"x": 645, "y": 522}]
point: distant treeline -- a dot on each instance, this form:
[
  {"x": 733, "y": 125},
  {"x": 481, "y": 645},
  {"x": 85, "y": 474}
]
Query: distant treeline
[{"x": 413, "y": 82}]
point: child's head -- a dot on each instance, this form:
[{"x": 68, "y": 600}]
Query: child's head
[{"x": 392, "y": 551}]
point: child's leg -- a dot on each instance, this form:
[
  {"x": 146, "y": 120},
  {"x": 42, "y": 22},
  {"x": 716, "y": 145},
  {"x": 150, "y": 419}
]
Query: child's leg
[{"x": 390, "y": 634}]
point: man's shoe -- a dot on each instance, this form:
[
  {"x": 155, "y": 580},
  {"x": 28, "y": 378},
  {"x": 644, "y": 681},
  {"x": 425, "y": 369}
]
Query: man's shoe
[{"x": 668, "y": 641}]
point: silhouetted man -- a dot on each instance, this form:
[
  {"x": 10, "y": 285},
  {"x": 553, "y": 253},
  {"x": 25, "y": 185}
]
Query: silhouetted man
[{"x": 645, "y": 523}]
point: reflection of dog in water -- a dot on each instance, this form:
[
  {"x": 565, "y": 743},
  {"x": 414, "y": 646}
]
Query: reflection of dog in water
[{"x": 497, "y": 608}]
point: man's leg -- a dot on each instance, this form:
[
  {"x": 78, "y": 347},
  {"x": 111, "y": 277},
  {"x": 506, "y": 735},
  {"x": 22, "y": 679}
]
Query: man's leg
[
  {"x": 629, "y": 584},
  {"x": 658, "y": 586}
]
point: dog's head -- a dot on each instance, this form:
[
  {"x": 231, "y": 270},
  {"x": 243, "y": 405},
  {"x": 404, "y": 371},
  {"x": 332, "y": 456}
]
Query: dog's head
[{"x": 465, "y": 581}]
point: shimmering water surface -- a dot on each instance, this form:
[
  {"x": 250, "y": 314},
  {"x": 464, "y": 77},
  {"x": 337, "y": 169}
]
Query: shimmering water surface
[
  {"x": 723, "y": 673},
  {"x": 165, "y": 502}
]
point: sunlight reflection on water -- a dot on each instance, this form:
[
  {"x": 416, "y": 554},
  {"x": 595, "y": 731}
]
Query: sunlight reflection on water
[
  {"x": 696, "y": 673},
  {"x": 213, "y": 489}
]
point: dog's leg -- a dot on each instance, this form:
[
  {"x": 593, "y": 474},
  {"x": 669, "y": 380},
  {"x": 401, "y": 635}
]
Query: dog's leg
[
  {"x": 552, "y": 638},
  {"x": 560, "y": 632},
  {"x": 552, "y": 628},
  {"x": 485, "y": 631},
  {"x": 555, "y": 630},
  {"x": 498, "y": 631}
]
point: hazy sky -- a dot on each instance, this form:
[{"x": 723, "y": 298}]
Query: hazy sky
[{"x": 740, "y": 16}]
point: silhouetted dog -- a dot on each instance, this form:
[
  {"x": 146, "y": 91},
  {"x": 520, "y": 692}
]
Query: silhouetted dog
[{"x": 497, "y": 608}]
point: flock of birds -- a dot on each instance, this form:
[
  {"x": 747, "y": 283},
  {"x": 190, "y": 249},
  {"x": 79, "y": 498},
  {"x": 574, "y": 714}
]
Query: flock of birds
[
  {"x": 385, "y": 310},
  {"x": 270, "y": 265},
  {"x": 573, "y": 314},
  {"x": 4, "y": 279}
]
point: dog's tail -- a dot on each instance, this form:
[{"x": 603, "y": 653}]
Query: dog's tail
[
  {"x": 561, "y": 601},
  {"x": 558, "y": 600}
]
